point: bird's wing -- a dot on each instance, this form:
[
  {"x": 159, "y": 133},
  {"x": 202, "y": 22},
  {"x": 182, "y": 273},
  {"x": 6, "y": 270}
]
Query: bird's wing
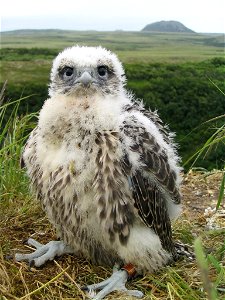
[
  {"x": 154, "y": 182},
  {"x": 152, "y": 208}
]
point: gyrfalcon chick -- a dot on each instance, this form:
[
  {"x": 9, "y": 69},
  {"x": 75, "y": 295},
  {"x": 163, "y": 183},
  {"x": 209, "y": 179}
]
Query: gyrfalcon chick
[{"x": 105, "y": 169}]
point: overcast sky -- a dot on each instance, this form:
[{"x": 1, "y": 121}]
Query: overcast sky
[{"x": 198, "y": 15}]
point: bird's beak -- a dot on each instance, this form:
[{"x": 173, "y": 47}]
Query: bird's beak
[{"x": 85, "y": 79}]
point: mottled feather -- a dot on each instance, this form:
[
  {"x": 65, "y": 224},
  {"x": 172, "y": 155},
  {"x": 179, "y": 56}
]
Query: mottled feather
[{"x": 104, "y": 168}]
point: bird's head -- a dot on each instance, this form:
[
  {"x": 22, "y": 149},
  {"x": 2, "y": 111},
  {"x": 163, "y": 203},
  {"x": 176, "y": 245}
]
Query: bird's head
[{"x": 86, "y": 71}]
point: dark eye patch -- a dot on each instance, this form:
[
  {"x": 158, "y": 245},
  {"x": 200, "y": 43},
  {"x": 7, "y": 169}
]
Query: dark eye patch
[{"x": 66, "y": 72}]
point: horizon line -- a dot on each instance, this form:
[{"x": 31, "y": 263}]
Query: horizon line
[{"x": 115, "y": 30}]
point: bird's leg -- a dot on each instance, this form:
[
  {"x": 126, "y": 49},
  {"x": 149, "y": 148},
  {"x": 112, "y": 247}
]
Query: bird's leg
[
  {"x": 116, "y": 282},
  {"x": 43, "y": 253}
]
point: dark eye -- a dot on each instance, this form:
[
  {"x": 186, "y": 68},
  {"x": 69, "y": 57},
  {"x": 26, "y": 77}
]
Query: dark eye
[
  {"x": 67, "y": 72},
  {"x": 102, "y": 71}
]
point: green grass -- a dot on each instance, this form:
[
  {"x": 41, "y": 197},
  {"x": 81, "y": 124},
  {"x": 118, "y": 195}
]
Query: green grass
[
  {"x": 14, "y": 132},
  {"x": 211, "y": 145},
  {"x": 130, "y": 46},
  {"x": 23, "y": 72}
]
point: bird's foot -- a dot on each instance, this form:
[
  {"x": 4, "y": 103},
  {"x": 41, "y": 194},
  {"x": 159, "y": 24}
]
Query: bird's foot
[
  {"x": 43, "y": 253},
  {"x": 116, "y": 282}
]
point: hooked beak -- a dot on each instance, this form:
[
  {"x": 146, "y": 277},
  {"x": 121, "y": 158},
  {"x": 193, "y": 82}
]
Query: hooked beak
[{"x": 85, "y": 79}]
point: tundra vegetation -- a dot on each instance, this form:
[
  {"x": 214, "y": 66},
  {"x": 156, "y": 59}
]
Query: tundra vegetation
[{"x": 180, "y": 75}]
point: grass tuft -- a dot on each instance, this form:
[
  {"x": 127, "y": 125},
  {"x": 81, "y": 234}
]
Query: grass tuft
[
  {"x": 14, "y": 131},
  {"x": 204, "y": 270}
]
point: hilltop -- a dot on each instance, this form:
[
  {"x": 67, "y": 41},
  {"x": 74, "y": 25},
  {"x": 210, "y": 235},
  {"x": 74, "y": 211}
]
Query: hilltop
[{"x": 167, "y": 26}]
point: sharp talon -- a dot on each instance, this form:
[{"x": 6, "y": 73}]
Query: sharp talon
[
  {"x": 85, "y": 288},
  {"x": 31, "y": 263},
  {"x": 25, "y": 241}
]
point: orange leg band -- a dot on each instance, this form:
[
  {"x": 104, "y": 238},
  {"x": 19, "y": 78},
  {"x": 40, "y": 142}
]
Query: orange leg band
[{"x": 130, "y": 269}]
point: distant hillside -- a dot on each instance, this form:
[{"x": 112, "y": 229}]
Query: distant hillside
[{"x": 167, "y": 26}]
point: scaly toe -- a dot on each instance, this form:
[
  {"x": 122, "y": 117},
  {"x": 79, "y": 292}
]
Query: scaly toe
[
  {"x": 116, "y": 282},
  {"x": 43, "y": 253}
]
